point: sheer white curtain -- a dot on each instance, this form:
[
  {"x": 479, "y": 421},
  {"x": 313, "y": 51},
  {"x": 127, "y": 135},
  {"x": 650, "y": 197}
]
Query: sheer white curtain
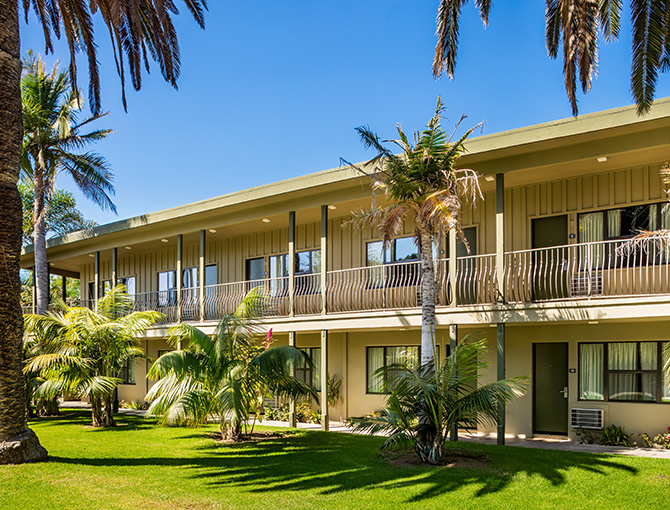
[
  {"x": 666, "y": 372},
  {"x": 592, "y": 366},
  {"x": 622, "y": 356},
  {"x": 614, "y": 223},
  {"x": 591, "y": 231},
  {"x": 375, "y": 361}
]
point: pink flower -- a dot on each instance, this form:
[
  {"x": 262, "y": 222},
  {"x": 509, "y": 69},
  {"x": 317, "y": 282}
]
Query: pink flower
[{"x": 268, "y": 340}]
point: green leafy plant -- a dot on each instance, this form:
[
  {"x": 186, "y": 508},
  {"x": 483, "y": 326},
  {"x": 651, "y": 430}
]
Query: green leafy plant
[
  {"x": 661, "y": 441},
  {"x": 334, "y": 391},
  {"x": 427, "y": 401},
  {"x": 615, "y": 436},
  {"x": 587, "y": 436}
]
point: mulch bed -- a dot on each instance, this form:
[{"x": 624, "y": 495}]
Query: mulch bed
[{"x": 452, "y": 458}]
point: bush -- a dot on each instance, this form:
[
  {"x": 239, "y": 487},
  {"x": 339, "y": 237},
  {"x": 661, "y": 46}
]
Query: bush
[
  {"x": 587, "y": 436},
  {"x": 615, "y": 436},
  {"x": 661, "y": 441},
  {"x": 133, "y": 405}
]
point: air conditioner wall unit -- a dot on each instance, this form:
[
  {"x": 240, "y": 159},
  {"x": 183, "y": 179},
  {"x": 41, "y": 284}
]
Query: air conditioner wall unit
[{"x": 586, "y": 418}]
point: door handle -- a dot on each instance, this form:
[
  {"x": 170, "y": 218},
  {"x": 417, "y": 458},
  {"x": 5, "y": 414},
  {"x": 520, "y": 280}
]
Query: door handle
[{"x": 564, "y": 391}]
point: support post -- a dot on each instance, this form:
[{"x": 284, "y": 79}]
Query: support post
[
  {"x": 501, "y": 375},
  {"x": 48, "y": 283},
  {"x": 115, "y": 267},
  {"x": 453, "y": 342},
  {"x": 201, "y": 275},
  {"x": 500, "y": 291},
  {"x": 63, "y": 288},
  {"x": 34, "y": 306},
  {"x": 180, "y": 277},
  {"x": 291, "y": 263},
  {"x": 324, "y": 257},
  {"x": 292, "y": 420},
  {"x": 500, "y": 238},
  {"x": 453, "y": 267},
  {"x": 325, "y": 425},
  {"x": 96, "y": 286}
]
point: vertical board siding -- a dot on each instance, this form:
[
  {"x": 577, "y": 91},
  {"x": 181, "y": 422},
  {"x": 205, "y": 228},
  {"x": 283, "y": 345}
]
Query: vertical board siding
[{"x": 347, "y": 246}]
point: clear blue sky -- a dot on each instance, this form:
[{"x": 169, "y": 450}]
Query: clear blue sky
[{"x": 273, "y": 90}]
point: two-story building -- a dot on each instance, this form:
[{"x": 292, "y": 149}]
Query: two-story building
[{"x": 550, "y": 279}]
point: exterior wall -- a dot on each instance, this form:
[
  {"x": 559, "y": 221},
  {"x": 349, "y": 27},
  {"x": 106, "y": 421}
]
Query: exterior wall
[
  {"x": 637, "y": 417},
  {"x": 572, "y": 196}
]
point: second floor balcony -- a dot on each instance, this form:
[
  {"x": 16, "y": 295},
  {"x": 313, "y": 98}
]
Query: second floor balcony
[{"x": 585, "y": 271}]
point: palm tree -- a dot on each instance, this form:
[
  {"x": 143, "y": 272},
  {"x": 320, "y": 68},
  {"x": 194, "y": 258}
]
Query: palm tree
[
  {"x": 575, "y": 25},
  {"x": 421, "y": 184},
  {"x": 427, "y": 402},
  {"x": 138, "y": 30},
  {"x": 225, "y": 376},
  {"x": 81, "y": 351},
  {"x": 62, "y": 216},
  {"x": 51, "y": 132}
]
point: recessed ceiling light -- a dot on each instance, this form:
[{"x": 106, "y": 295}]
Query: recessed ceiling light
[
  {"x": 602, "y": 159},
  {"x": 128, "y": 247},
  {"x": 91, "y": 254},
  {"x": 593, "y": 322},
  {"x": 490, "y": 178},
  {"x": 212, "y": 231},
  {"x": 332, "y": 207},
  {"x": 266, "y": 220},
  {"x": 164, "y": 240}
]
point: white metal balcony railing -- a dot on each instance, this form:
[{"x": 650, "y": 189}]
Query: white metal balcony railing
[{"x": 579, "y": 271}]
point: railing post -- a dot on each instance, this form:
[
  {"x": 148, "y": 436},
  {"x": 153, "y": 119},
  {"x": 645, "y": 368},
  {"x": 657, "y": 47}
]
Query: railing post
[
  {"x": 180, "y": 261},
  {"x": 201, "y": 275},
  {"x": 453, "y": 267},
  {"x": 324, "y": 257},
  {"x": 291, "y": 266},
  {"x": 325, "y": 425},
  {"x": 292, "y": 421}
]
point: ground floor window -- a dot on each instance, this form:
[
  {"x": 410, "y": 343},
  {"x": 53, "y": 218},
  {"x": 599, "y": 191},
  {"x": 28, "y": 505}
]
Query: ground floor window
[
  {"x": 308, "y": 375},
  {"x": 624, "y": 371},
  {"x": 127, "y": 373},
  {"x": 379, "y": 357}
]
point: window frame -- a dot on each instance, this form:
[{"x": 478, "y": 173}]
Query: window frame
[
  {"x": 604, "y": 212},
  {"x": 606, "y": 372},
  {"x": 308, "y": 370},
  {"x": 126, "y": 372},
  {"x": 367, "y": 364}
]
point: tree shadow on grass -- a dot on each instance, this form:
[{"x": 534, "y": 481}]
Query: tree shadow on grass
[
  {"x": 83, "y": 418},
  {"x": 334, "y": 463}
]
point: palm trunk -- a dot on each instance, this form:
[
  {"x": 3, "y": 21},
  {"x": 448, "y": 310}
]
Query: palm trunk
[
  {"x": 40, "y": 245},
  {"x": 96, "y": 413},
  {"x": 18, "y": 443},
  {"x": 108, "y": 412},
  {"x": 427, "y": 299}
]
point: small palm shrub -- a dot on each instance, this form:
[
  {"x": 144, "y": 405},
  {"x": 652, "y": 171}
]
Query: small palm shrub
[
  {"x": 615, "y": 436},
  {"x": 427, "y": 401}
]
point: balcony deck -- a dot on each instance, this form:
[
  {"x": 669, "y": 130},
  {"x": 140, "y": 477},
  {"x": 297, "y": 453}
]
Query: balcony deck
[{"x": 599, "y": 270}]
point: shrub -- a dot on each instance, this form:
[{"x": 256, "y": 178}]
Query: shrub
[
  {"x": 587, "y": 436},
  {"x": 661, "y": 441},
  {"x": 615, "y": 436}
]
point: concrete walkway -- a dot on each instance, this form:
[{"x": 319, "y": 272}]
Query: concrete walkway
[{"x": 542, "y": 443}]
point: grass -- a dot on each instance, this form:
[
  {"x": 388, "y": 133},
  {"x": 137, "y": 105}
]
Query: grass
[{"x": 142, "y": 466}]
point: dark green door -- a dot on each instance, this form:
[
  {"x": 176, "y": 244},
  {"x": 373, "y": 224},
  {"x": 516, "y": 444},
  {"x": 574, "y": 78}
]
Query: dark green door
[
  {"x": 549, "y": 272},
  {"x": 550, "y": 384}
]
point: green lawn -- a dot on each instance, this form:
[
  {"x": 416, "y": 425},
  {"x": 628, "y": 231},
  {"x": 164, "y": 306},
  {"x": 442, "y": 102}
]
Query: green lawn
[{"x": 141, "y": 466}]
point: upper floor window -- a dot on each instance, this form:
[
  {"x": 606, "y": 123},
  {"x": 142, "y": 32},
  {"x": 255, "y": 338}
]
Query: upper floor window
[
  {"x": 127, "y": 373},
  {"x": 622, "y": 223},
  {"x": 402, "y": 249},
  {"x": 129, "y": 283},
  {"x": 308, "y": 262}
]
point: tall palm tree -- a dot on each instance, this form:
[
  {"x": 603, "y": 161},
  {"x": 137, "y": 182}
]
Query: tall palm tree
[
  {"x": 224, "y": 376},
  {"x": 427, "y": 401},
  {"x": 420, "y": 183},
  {"x": 52, "y": 141},
  {"x": 139, "y": 30},
  {"x": 575, "y": 24},
  {"x": 81, "y": 351}
]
